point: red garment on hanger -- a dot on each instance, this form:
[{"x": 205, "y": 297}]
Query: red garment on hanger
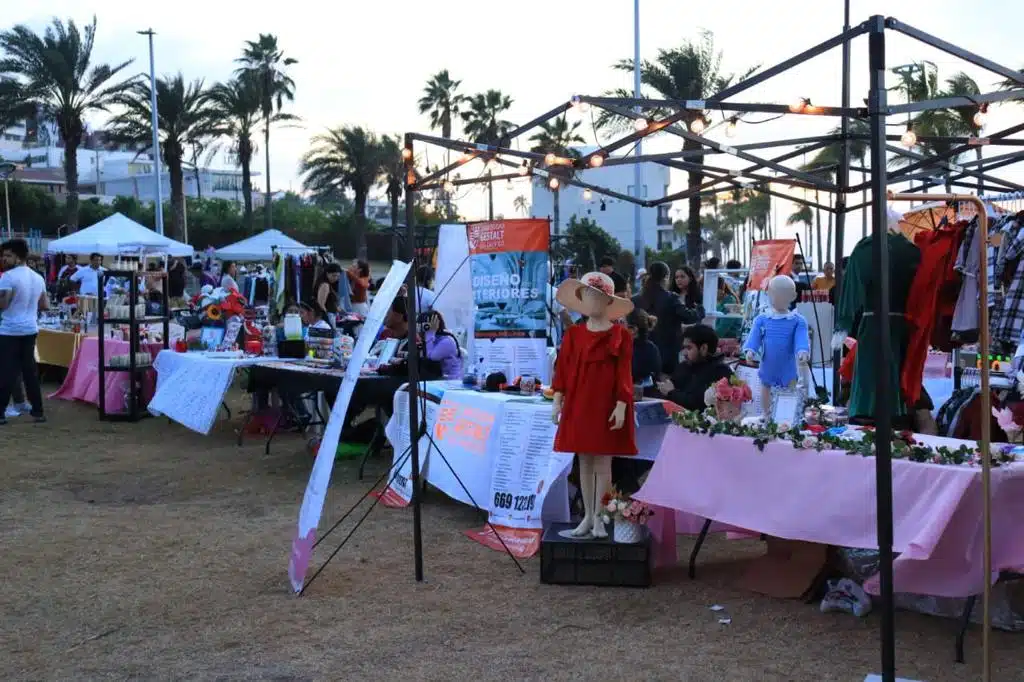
[
  {"x": 949, "y": 292},
  {"x": 938, "y": 250}
]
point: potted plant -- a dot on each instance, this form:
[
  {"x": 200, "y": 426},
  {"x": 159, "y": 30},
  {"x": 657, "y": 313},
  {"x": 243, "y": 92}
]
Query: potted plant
[
  {"x": 629, "y": 516},
  {"x": 727, "y": 397}
]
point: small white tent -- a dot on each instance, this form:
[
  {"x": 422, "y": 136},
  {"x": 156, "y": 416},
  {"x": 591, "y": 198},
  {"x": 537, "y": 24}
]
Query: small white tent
[
  {"x": 260, "y": 247},
  {"x": 118, "y": 235}
]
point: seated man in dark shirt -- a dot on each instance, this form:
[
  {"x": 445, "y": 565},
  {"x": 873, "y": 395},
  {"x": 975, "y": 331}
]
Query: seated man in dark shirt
[{"x": 702, "y": 366}]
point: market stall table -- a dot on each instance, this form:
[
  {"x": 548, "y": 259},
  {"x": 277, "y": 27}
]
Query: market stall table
[
  {"x": 82, "y": 381},
  {"x": 829, "y": 498},
  {"x": 191, "y": 386},
  {"x": 484, "y": 448},
  {"x": 301, "y": 379},
  {"x": 57, "y": 348}
]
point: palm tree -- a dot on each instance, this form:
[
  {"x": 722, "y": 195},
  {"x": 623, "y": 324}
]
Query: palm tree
[
  {"x": 733, "y": 215},
  {"x": 483, "y": 123},
  {"x": 393, "y": 168},
  {"x": 12, "y": 103},
  {"x": 720, "y": 235},
  {"x": 441, "y": 101},
  {"x": 344, "y": 158},
  {"x": 54, "y": 78},
  {"x": 520, "y": 204},
  {"x": 237, "y": 107},
  {"x": 556, "y": 137},
  {"x": 692, "y": 71},
  {"x": 955, "y": 122},
  {"x": 264, "y": 61},
  {"x": 802, "y": 216},
  {"x": 960, "y": 120},
  {"x": 183, "y": 117}
]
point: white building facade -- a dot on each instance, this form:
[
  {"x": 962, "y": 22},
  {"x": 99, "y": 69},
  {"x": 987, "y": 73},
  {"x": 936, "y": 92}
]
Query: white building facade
[
  {"x": 614, "y": 216},
  {"x": 116, "y": 172}
]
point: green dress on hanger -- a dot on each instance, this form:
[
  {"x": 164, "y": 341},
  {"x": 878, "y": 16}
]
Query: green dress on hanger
[{"x": 857, "y": 295}]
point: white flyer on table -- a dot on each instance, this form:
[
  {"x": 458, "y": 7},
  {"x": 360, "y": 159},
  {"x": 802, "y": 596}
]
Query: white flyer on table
[
  {"x": 316, "y": 489},
  {"x": 524, "y": 467}
]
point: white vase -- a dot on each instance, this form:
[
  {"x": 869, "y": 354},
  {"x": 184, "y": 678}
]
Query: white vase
[{"x": 627, "y": 532}]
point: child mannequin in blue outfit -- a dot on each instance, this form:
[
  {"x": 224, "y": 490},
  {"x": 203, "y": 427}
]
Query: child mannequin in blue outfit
[{"x": 780, "y": 337}]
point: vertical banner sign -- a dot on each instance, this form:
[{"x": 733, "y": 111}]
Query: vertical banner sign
[
  {"x": 769, "y": 258},
  {"x": 316, "y": 489},
  {"x": 509, "y": 265}
]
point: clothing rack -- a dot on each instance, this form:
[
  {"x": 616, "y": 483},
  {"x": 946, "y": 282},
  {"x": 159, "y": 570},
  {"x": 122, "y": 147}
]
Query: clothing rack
[
  {"x": 986, "y": 394},
  {"x": 1007, "y": 196}
]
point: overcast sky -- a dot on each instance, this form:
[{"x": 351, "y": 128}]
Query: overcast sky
[{"x": 365, "y": 63}]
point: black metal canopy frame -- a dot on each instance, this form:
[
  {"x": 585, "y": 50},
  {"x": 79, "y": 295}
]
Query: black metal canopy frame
[{"x": 669, "y": 117}]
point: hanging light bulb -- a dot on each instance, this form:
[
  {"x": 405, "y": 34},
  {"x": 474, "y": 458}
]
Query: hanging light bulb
[
  {"x": 730, "y": 129},
  {"x": 550, "y": 158},
  {"x": 406, "y": 153},
  {"x": 799, "y": 105},
  {"x": 578, "y": 105},
  {"x": 553, "y": 183},
  {"x": 640, "y": 124},
  {"x": 597, "y": 160},
  {"x": 524, "y": 169},
  {"x": 697, "y": 125},
  {"x": 587, "y": 195},
  {"x": 489, "y": 165},
  {"x": 981, "y": 115},
  {"x": 909, "y": 138}
]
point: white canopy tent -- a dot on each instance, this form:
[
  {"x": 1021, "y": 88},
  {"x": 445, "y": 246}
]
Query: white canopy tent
[
  {"x": 118, "y": 235},
  {"x": 260, "y": 247}
]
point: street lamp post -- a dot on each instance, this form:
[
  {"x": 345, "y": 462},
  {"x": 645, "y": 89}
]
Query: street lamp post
[
  {"x": 158, "y": 208},
  {"x": 639, "y": 245}
]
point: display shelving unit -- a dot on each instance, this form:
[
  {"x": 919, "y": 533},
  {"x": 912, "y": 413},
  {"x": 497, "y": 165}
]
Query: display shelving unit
[{"x": 134, "y": 410}]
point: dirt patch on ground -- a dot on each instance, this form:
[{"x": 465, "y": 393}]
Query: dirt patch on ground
[{"x": 147, "y": 552}]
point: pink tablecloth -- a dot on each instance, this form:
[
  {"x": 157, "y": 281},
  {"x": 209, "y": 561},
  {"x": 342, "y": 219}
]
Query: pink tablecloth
[
  {"x": 829, "y": 497},
  {"x": 83, "y": 379}
]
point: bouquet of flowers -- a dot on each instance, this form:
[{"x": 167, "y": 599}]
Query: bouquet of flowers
[
  {"x": 727, "y": 397},
  {"x": 218, "y": 304},
  {"x": 619, "y": 507},
  {"x": 630, "y": 517},
  {"x": 1011, "y": 420}
]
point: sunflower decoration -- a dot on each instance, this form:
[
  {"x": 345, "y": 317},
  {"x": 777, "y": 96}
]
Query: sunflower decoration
[{"x": 214, "y": 313}]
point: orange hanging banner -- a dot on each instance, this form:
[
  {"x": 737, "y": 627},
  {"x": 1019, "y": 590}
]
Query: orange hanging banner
[{"x": 769, "y": 258}]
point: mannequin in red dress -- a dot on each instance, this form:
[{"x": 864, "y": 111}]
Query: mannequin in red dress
[{"x": 593, "y": 378}]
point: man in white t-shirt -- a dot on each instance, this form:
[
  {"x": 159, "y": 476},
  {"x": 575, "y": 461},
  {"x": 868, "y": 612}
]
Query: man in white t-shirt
[
  {"x": 22, "y": 296},
  {"x": 88, "y": 279}
]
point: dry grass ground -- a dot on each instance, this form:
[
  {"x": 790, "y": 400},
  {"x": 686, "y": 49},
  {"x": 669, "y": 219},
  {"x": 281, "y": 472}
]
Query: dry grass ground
[{"x": 147, "y": 552}]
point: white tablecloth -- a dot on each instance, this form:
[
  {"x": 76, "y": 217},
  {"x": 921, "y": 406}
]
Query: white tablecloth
[
  {"x": 475, "y": 449},
  {"x": 191, "y": 387}
]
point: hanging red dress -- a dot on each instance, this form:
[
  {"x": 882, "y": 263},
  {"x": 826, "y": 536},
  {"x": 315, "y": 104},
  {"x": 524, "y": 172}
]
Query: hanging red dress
[
  {"x": 937, "y": 251},
  {"x": 949, "y": 292},
  {"x": 593, "y": 372}
]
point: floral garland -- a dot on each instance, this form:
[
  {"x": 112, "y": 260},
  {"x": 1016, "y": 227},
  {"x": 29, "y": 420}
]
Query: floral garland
[{"x": 903, "y": 444}]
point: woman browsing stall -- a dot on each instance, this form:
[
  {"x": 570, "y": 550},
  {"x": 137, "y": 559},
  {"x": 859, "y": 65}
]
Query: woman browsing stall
[
  {"x": 441, "y": 346},
  {"x": 326, "y": 302}
]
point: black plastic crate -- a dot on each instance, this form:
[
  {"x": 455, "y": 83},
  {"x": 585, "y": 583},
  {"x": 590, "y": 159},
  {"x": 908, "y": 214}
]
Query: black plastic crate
[{"x": 568, "y": 561}]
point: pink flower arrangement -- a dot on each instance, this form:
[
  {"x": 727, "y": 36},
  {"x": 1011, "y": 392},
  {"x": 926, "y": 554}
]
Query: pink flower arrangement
[
  {"x": 619, "y": 507},
  {"x": 1011, "y": 420},
  {"x": 733, "y": 390}
]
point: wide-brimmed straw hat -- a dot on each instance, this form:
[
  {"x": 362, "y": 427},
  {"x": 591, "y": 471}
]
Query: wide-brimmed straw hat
[{"x": 570, "y": 292}]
